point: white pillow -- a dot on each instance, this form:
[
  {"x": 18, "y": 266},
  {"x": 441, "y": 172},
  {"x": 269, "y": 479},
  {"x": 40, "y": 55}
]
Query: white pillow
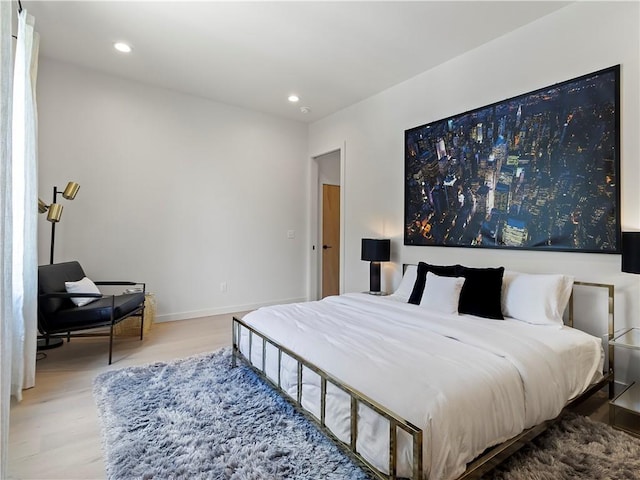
[
  {"x": 406, "y": 284},
  {"x": 441, "y": 294},
  {"x": 82, "y": 286},
  {"x": 539, "y": 299}
]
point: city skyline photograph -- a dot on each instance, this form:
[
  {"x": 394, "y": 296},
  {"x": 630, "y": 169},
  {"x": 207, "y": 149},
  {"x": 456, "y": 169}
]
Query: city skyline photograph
[{"x": 537, "y": 171}]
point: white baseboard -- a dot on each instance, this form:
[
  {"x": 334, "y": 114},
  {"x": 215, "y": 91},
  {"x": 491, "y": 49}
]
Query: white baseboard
[{"x": 170, "y": 317}]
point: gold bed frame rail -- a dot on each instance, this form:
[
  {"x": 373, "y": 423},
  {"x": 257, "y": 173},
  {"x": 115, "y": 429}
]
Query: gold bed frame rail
[
  {"x": 356, "y": 397},
  {"x": 488, "y": 460},
  {"x": 493, "y": 456},
  {"x": 610, "y": 326}
]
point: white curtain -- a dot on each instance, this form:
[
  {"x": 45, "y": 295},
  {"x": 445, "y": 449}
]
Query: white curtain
[
  {"x": 5, "y": 232},
  {"x": 25, "y": 206},
  {"x": 18, "y": 229}
]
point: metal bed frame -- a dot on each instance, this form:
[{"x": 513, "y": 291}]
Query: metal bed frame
[{"x": 475, "y": 469}]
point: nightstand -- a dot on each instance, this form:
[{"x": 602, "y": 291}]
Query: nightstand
[{"x": 624, "y": 408}]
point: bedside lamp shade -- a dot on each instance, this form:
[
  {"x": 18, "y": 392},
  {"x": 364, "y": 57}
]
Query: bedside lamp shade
[
  {"x": 631, "y": 252},
  {"x": 375, "y": 250}
]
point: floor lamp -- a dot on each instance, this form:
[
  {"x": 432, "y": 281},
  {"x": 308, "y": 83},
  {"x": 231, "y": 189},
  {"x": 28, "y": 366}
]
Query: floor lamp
[
  {"x": 55, "y": 209},
  {"x": 54, "y": 214}
]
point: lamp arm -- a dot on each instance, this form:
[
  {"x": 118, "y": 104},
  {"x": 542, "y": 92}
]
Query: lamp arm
[{"x": 69, "y": 193}]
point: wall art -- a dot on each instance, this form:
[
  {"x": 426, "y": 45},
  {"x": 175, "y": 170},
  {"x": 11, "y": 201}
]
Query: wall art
[{"x": 538, "y": 171}]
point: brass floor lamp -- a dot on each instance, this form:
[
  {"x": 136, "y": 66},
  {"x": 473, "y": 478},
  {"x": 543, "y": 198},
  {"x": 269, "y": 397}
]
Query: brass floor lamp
[
  {"x": 54, "y": 214},
  {"x": 55, "y": 209}
]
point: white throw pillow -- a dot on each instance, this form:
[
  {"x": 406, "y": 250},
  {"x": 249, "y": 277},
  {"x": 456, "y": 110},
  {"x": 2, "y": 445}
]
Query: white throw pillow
[
  {"x": 539, "y": 299},
  {"x": 403, "y": 291},
  {"x": 82, "y": 286},
  {"x": 442, "y": 294}
]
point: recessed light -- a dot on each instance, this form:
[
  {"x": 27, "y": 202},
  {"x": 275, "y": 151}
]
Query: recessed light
[
  {"x": 122, "y": 47},
  {"x": 293, "y": 98}
]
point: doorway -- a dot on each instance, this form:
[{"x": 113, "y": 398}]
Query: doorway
[
  {"x": 330, "y": 240},
  {"x": 329, "y": 223}
]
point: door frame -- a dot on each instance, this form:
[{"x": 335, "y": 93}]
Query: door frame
[{"x": 314, "y": 285}]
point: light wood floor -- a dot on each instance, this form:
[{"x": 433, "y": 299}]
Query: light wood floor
[{"x": 54, "y": 431}]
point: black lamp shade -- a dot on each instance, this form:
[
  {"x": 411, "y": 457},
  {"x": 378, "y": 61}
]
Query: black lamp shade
[
  {"x": 376, "y": 250},
  {"x": 631, "y": 252}
]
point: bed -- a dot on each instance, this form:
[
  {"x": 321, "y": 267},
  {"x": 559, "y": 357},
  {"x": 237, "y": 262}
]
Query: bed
[{"x": 418, "y": 390}]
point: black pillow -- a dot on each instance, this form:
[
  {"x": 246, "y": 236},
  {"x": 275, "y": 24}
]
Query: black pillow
[
  {"x": 421, "y": 278},
  {"x": 481, "y": 292}
]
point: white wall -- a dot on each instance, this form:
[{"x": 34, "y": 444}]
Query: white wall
[
  {"x": 578, "y": 39},
  {"x": 329, "y": 168},
  {"x": 177, "y": 191}
]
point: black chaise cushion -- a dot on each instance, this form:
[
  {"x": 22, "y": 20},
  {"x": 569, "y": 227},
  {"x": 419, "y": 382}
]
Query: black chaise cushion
[{"x": 94, "y": 314}]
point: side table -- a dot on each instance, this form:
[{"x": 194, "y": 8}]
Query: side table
[
  {"x": 131, "y": 326},
  {"x": 624, "y": 409}
]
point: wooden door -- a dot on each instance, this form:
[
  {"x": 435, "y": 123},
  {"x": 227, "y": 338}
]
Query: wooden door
[{"x": 330, "y": 240}]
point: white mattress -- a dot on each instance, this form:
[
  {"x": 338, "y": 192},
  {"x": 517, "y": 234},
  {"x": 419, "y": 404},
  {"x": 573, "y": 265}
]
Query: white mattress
[{"x": 467, "y": 382}]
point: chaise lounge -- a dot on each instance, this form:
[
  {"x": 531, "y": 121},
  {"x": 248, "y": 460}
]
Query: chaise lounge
[{"x": 59, "y": 316}]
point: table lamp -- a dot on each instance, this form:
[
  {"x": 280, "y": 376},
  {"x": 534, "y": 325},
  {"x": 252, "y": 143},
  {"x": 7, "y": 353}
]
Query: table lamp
[
  {"x": 375, "y": 250},
  {"x": 631, "y": 252}
]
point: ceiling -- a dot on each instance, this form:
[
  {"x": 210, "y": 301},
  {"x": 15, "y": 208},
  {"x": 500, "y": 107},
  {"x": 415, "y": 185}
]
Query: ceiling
[{"x": 255, "y": 54}]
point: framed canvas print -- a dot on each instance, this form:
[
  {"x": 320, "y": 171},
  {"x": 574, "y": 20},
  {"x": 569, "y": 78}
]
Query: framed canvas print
[{"x": 538, "y": 171}]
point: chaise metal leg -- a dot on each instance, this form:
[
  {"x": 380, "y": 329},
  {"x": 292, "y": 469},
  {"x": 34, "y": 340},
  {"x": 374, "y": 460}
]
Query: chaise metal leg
[
  {"x": 142, "y": 322},
  {"x": 113, "y": 307},
  {"x": 235, "y": 342},
  {"x": 47, "y": 342}
]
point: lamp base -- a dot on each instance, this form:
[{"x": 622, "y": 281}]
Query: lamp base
[
  {"x": 375, "y": 293},
  {"x": 52, "y": 343},
  {"x": 374, "y": 277}
]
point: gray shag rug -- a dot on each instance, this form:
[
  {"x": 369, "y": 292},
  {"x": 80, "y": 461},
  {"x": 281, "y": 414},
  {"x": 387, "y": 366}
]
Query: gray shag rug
[
  {"x": 576, "y": 447},
  {"x": 198, "y": 418}
]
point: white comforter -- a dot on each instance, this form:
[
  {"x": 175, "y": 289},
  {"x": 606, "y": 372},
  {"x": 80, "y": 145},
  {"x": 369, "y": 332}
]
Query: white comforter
[{"x": 467, "y": 382}]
